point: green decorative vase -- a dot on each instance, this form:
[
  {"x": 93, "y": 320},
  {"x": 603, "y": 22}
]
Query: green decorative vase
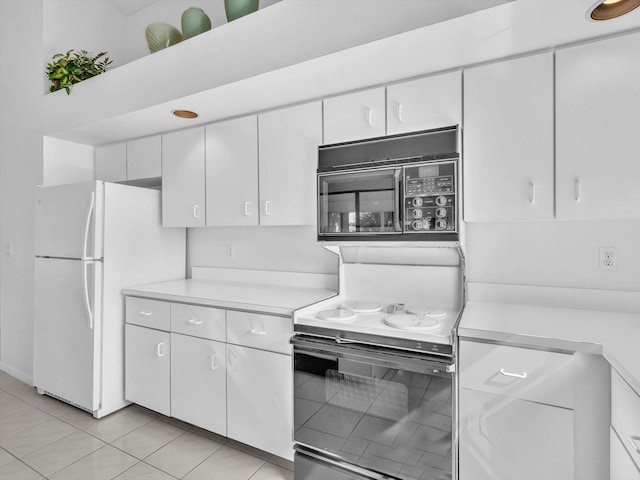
[
  {"x": 194, "y": 22},
  {"x": 161, "y": 35},
  {"x": 239, "y": 8}
]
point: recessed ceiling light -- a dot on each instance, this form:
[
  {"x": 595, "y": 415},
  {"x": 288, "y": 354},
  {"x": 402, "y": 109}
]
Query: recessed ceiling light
[
  {"x": 187, "y": 113},
  {"x": 607, "y": 9}
]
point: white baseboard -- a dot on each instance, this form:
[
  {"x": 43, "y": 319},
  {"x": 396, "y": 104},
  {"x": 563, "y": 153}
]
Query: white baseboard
[{"x": 18, "y": 374}]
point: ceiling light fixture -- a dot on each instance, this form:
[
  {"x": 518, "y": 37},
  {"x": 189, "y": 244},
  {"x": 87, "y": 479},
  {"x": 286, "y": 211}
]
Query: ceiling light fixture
[
  {"x": 612, "y": 9},
  {"x": 187, "y": 113}
]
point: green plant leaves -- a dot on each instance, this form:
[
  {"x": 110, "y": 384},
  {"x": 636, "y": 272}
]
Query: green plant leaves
[{"x": 72, "y": 67}]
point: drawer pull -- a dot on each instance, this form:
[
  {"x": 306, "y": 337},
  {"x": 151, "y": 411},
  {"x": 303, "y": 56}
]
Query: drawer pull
[
  {"x": 635, "y": 442},
  {"x": 255, "y": 331},
  {"x": 515, "y": 375},
  {"x": 159, "y": 351},
  {"x": 193, "y": 321},
  {"x": 213, "y": 362},
  {"x": 145, "y": 313}
]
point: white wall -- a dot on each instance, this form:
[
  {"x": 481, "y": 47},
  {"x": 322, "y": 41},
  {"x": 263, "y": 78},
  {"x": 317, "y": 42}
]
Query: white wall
[
  {"x": 260, "y": 248},
  {"x": 554, "y": 253},
  {"x": 92, "y": 25},
  {"x": 20, "y": 171},
  {"x": 67, "y": 162}
]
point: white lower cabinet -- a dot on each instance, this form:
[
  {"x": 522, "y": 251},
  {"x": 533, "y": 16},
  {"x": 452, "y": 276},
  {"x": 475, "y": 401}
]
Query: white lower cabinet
[
  {"x": 622, "y": 465},
  {"x": 260, "y": 399},
  {"x": 228, "y": 372},
  {"x": 147, "y": 368},
  {"x": 625, "y": 430},
  {"x": 504, "y": 438},
  {"x": 198, "y": 382}
]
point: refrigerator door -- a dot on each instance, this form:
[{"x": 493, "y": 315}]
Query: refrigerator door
[
  {"x": 67, "y": 330},
  {"x": 69, "y": 220}
]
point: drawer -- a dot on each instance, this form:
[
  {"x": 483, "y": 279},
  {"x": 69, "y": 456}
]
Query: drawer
[
  {"x": 625, "y": 415},
  {"x": 528, "y": 374},
  {"x": 203, "y": 322},
  {"x": 260, "y": 331},
  {"x": 148, "y": 313}
]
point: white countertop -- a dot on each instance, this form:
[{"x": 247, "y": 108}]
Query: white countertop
[
  {"x": 258, "y": 297},
  {"x": 615, "y": 335}
]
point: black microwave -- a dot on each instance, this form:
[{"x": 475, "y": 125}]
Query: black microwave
[{"x": 400, "y": 187}]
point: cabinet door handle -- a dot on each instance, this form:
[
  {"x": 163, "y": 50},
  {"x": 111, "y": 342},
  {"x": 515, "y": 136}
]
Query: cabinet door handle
[
  {"x": 577, "y": 190},
  {"x": 196, "y": 211},
  {"x": 532, "y": 193},
  {"x": 232, "y": 361},
  {"x": 515, "y": 375},
  {"x": 370, "y": 117},
  {"x": 267, "y": 207},
  {"x": 159, "y": 351},
  {"x": 255, "y": 331},
  {"x": 246, "y": 208},
  {"x": 634, "y": 440},
  {"x": 145, "y": 313},
  {"x": 213, "y": 362},
  {"x": 130, "y": 166},
  {"x": 400, "y": 113},
  {"x": 194, "y": 321}
]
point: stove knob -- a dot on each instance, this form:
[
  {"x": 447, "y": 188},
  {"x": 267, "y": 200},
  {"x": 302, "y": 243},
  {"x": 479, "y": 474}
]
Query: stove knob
[
  {"x": 441, "y": 201},
  {"x": 416, "y": 224},
  {"x": 441, "y": 224},
  {"x": 441, "y": 212},
  {"x": 416, "y": 202},
  {"x": 416, "y": 213}
]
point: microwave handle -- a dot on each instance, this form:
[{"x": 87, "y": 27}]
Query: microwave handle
[{"x": 396, "y": 199}]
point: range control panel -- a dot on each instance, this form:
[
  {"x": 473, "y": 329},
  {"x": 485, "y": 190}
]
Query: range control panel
[{"x": 430, "y": 198}]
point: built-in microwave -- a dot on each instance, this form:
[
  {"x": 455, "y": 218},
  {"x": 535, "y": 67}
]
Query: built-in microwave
[{"x": 401, "y": 187}]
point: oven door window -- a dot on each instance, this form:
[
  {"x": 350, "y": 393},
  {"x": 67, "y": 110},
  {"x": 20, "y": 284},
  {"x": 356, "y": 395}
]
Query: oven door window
[
  {"x": 388, "y": 420},
  {"x": 363, "y": 202}
]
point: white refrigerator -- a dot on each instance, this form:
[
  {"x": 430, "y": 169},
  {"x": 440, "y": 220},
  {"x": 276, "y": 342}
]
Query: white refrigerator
[{"x": 92, "y": 240}]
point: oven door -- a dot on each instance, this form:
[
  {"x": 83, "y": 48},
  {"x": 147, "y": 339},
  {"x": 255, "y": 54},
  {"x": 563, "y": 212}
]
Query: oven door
[
  {"x": 385, "y": 411},
  {"x": 365, "y": 202}
]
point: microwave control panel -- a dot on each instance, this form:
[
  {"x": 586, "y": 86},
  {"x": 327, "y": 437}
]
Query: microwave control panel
[{"x": 429, "y": 200}]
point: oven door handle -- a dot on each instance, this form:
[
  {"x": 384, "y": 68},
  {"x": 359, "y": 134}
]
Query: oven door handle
[
  {"x": 362, "y": 354},
  {"x": 338, "y": 464},
  {"x": 396, "y": 200}
]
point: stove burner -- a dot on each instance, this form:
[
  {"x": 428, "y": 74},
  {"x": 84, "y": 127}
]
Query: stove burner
[
  {"x": 363, "y": 307},
  {"x": 428, "y": 311},
  {"x": 337, "y": 315},
  {"x": 412, "y": 322}
]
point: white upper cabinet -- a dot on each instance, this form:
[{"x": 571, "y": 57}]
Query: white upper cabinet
[
  {"x": 183, "y": 184},
  {"x": 426, "y": 103},
  {"x": 288, "y": 144},
  {"x": 144, "y": 158},
  {"x": 597, "y": 111},
  {"x": 509, "y": 140},
  {"x": 355, "y": 116},
  {"x": 111, "y": 162},
  {"x": 232, "y": 172}
]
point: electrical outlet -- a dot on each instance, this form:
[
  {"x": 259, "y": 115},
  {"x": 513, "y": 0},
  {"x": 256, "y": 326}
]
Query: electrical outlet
[
  {"x": 231, "y": 250},
  {"x": 608, "y": 258}
]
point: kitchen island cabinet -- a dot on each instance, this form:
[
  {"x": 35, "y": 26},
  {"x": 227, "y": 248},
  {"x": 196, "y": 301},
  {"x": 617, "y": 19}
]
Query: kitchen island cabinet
[
  {"x": 509, "y": 140},
  {"x": 183, "y": 178}
]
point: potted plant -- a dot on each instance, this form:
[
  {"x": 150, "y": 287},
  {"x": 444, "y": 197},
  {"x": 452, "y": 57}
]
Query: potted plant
[{"x": 73, "y": 67}]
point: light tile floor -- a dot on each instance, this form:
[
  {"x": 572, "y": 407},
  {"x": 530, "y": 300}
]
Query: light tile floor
[{"x": 43, "y": 438}]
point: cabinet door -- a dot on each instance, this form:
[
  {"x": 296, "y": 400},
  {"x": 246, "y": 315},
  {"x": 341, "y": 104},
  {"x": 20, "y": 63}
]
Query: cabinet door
[
  {"x": 504, "y": 438},
  {"x": 509, "y": 140},
  {"x": 355, "y": 116},
  {"x": 183, "y": 184},
  {"x": 198, "y": 382},
  {"x": 259, "y": 399},
  {"x": 597, "y": 105},
  {"x": 111, "y": 162},
  {"x": 144, "y": 158},
  {"x": 147, "y": 368},
  {"x": 289, "y": 140},
  {"x": 430, "y": 102},
  {"x": 622, "y": 465},
  {"x": 232, "y": 172}
]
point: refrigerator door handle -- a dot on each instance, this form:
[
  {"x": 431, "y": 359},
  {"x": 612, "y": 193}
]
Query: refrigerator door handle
[
  {"x": 85, "y": 284},
  {"x": 87, "y": 224}
]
